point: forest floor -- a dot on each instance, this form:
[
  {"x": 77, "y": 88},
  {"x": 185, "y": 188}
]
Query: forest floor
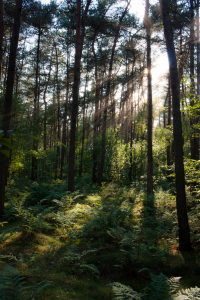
[{"x": 83, "y": 242}]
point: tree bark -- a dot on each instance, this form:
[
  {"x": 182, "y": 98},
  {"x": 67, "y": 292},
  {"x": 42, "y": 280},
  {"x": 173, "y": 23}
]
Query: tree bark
[
  {"x": 149, "y": 104},
  {"x": 64, "y": 133},
  {"x": 1, "y": 36},
  {"x": 8, "y": 99},
  {"x": 196, "y": 146},
  {"x": 58, "y": 117},
  {"x": 36, "y": 111},
  {"x": 192, "y": 82},
  {"x": 80, "y": 33},
  {"x": 104, "y": 126},
  {"x": 84, "y": 123},
  {"x": 184, "y": 232},
  {"x": 97, "y": 93}
]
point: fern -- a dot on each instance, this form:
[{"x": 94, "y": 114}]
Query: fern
[
  {"x": 161, "y": 287},
  {"x": 187, "y": 294},
  {"x": 76, "y": 262},
  {"x": 107, "y": 217},
  {"x": 12, "y": 285},
  {"x": 123, "y": 292}
]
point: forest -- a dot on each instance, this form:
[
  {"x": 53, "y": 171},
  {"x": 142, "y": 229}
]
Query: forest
[{"x": 99, "y": 150}]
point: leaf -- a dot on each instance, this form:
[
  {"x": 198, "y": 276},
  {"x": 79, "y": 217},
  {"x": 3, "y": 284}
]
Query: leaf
[
  {"x": 5, "y": 152},
  {"x": 10, "y": 146}
]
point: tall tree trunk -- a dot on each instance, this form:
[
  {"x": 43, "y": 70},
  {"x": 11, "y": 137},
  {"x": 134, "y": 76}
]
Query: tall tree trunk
[
  {"x": 198, "y": 52},
  {"x": 64, "y": 133},
  {"x": 97, "y": 93},
  {"x": 192, "y": 83},
  {"x": 1, "y": 36},
  {"x": 45, "y": 118},
  {"x": 58, "y": 117},
  {"x": 196, "y": 147},
  {"x": 80, "y": 34},
  {"x": 169, "y": 123},
  {"x": 83, "y": 134},
  {"x": 149, "y": 104},
  {"x": 8, "y": 99},
  {"x": 103, "y": 151},
  {"x": 184, "y": 232},
  {"x": 45, "y": 105},
  {"x": 36, "y": 111}
]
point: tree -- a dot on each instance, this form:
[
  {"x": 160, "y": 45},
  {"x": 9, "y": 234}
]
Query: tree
[
  {"x": 149, "y": 122},
  {"x": 8, "y": 99},
  {"x": 1, "y": 35},
  {"x": 108, "y": 87},
  {"x": 184, "y": 233},
  {"x": 80, "y": 34}
]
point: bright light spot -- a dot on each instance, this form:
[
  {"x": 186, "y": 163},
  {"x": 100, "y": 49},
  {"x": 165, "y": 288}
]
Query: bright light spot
[{"x": 161, "y": 66}]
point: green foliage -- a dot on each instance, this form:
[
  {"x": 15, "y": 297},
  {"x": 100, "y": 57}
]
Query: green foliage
[
  {"x": 48, "y": 192},
  {"x": 123, "y": 292},
  {"x": 106, "y": 217},
  {"x": 192, "y": 175},
  {"x": 12, "y": 285},
  {"x": 31, "y": 219},
  {"x": 120, "y": 163},
  {"x": 160, "y": 287},
  {"x": 77, "y": 262}
]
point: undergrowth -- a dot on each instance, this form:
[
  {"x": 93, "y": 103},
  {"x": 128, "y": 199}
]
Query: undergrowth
[{"x": 84, "y": 239}]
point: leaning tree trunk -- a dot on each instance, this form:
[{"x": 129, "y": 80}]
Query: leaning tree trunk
[
  {"x": 8, "y": 99},
  {"x": 184, "y": 232}
]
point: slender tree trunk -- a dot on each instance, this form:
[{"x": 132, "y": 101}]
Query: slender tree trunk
[
  {"x": 45, "y": 118},
  {"x": 97, "y": 91},
  {"x": 64, "y": 133},
  {"x": 80, "y": 33},
  {"x": 8, "y": 99},
  {"x": 36, "y": 111},
  {"x": 198, "y": 52},
  {"x": 103, "y": 151},
  {"x": 45, "y": 104},
  {"x": 150, "y": 116},
  {"x": 169, "y": 123},
  {"x": 196, "y": 147},
  {"x": 58, "y": 117},
  {"x": 131, "y": 143},
  {"x": 192, "y": 83},
  {"x": 18, "y": 72},
  {"x": 184, "y": 232},
  {"x": 1, "y": 36},
  {"x": 83, "y": 135}
]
